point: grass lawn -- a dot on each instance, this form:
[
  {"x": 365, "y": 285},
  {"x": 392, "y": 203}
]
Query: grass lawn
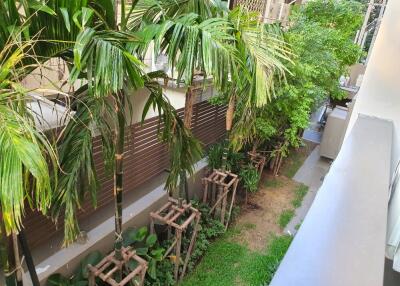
[
  {"x": 285, "y": 217},
  {"x": 295, "y": 159},
  {"x": 229, "y": 263}
]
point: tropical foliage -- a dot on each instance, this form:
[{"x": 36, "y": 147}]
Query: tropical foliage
[
  {"x": 103, "y": 57},
  {"x": 321, "y": 37}
]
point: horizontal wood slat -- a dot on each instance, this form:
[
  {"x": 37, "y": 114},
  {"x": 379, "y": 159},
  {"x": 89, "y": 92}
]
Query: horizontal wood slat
[{"x": 145, "y": 158}]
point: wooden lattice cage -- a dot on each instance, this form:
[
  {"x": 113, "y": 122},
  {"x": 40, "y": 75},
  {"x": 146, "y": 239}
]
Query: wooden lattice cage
[
  {"x": 108, "y": 267},
  {"x": 218, "y": 186},
  {"x": 177, "y": 215}
]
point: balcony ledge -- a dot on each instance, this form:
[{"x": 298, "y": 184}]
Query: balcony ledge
[{"x": 342, "y": 239}]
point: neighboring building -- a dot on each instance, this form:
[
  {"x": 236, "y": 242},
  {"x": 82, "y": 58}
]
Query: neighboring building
[{"x": 271, "y": 11}]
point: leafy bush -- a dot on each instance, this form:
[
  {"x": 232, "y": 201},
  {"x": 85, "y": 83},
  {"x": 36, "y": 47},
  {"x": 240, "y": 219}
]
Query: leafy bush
[
  {"x": 164, "y": 270},
  {"x": 146, "y": 246},
  {"x": 250, "y": 178},
  {"x": 321, "y": 38},
  {"x": 234, "y": 160},
  {"x": 215, "y": 156}
]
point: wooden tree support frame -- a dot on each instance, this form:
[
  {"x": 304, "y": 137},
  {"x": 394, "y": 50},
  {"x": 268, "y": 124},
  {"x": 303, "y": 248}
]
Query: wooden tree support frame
[
  {"x": 109, "y": 266},
  {"x": 258, "y": 161},
  {"x": 217, "y": 188},
  {"x": 177, "y": 215}
]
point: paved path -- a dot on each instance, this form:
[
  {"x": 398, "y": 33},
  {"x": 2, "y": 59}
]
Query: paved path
[{"x": 311, "y": 174}]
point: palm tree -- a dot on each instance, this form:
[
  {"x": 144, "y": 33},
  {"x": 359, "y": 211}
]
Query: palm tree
[
  {"x": 266, "y": 54},
  {"x": 194, "y": 38},
  {"x": 108, "y": 56},
  {"x": 103, "y": 54},
  {"x": 25, "y": 156},
  {"x": 243, "y": 56}
]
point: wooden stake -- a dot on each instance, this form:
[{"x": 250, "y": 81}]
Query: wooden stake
[
  {"x": 191, "y": 245},
  {"x": 177, "y": 252}
]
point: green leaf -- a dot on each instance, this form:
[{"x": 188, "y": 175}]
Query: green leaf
[
  {"x": 141, "y": 233},
  {"x": 36, "y": 5},
  {"x": 157, "y": 254},
  {"x": 86, "y": 15},
  {"x": 132, "y": 235},
  {"x": 92, "y": 259},
  {"x": 82, "y": 41},
  {"x": 152, "y": 270},
  {"x": 142, "y": 251},
  {"x": 75, "y": 19},
  {"x": 65, "y": 14},
  {"x": 57, "y": 280},
  {"x": 151, "y": 240}
]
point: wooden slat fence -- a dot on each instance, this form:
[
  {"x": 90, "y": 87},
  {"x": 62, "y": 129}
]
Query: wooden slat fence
[{"x": 146, "y": 157}]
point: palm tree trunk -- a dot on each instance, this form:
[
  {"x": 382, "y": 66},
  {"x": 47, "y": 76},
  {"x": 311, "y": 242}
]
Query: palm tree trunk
[
  {"x": 6, "y": 258},
  {"x": 17, "y": 266},
  {"x": 229, "y": 121},
  {"x": 118, "y": 173},
  {"x": 188, "y": 113},
  {"x": 187, "y": 120}
]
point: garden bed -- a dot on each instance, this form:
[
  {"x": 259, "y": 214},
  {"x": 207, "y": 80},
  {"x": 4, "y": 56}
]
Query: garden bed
[{"x": 250, "y": 252}]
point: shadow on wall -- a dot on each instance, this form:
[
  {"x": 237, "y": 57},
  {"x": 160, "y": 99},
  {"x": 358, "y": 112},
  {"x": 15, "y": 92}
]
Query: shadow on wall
[{"x": 391, "y": 278}]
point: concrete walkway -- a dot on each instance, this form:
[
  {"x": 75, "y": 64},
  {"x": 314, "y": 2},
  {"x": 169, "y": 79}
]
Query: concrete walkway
[{"x": 311, "y": 174}]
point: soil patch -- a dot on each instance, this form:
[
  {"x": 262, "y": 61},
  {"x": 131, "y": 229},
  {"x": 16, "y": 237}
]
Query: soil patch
[{"x": 258, "y": 221}]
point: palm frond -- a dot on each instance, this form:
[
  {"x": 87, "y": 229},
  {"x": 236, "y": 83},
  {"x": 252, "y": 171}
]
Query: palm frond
[
  {"x": 78, "y": 178},
  {"x": 24, "y": 151},
  {"x": 185, "y": 150},
  {"x": 265, "y": 52},
  {"x": 107, "y": 63},
  {"x": 155, "y": 11},
  {"x": 193, "y": 44}
]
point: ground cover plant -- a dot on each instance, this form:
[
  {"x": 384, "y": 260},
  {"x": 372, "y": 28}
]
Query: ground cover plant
[{"x": 285, "y": 217}]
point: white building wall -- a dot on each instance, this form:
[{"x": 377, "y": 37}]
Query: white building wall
[
  {"x": 176, "y": 97},
  {"x": 379, "y": 96},
  {"x": 379, "y": 93}
]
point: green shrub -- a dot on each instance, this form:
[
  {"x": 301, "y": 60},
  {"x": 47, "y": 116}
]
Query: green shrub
[
  {"x": 146, "y": 246},
  {"x": 215, "y": 156},
  {"x": 214, "y": 159},
  {"x": 209, "y": 229},
  {"x": 250, "y": 178}
]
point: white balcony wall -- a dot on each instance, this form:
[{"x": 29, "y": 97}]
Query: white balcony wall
[
  {"x": 379, "y": 96},
  {"x": 379, "y": 93}
]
